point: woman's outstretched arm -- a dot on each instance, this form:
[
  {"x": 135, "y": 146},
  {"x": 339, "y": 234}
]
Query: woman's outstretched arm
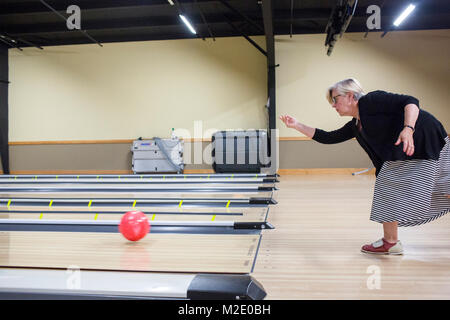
[{"x": 340, "y": 135}]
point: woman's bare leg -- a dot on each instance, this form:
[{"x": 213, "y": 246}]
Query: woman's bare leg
[{"x": 390, "y": 231}]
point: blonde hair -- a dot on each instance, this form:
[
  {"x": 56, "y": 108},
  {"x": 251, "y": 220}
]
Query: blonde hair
[{"x": 345, "y": 86}]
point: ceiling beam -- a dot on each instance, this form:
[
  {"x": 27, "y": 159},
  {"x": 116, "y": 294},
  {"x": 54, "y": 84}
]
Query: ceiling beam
[
  {"x": 116, "y": 24},
  {"x": 153, "y": 21},
  {"x": 34, "y": 7}
]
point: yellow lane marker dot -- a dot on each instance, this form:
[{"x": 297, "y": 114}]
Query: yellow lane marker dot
[
  {"x": 153, "y": 218},
  {"x": 9, "y": 203},
  {"x": 96, "y": 216},
  {"x": 181, "y": 202},
  {"x": 40, "y": 217},
  {"x": 50, "y": 204},
  {"x": 213, "y": 218},
  {"x": 134, "y": 203},
  {"x": 228, "y": 203}
]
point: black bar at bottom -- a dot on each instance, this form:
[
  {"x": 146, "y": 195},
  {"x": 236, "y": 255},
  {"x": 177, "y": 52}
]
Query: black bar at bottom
[{"x": 225, "y": 287}]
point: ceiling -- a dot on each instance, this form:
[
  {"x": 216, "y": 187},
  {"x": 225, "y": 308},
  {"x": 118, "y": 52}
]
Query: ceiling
[{"x": 25, "y": 23}]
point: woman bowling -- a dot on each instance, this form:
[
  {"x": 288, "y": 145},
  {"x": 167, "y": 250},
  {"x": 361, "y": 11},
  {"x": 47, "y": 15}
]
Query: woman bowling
[{"x": 409, "y": 148}]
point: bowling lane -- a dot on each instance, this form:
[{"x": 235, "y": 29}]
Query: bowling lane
[
  {"x": 153, "y": 214},
  {"x": 40, "y": 191},
  {"x": 193, "y": 183},
  {"x": 212, "y": 176},
  {"x": 111, "y": 251}
]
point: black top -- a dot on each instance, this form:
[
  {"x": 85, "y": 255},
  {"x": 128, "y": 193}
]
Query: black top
[{"x": 382, "y": 119}]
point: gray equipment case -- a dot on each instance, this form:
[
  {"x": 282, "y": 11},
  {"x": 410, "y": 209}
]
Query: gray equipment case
[
  {"x": 240, "y": 151},
  {"x": 157, "y": 155}
]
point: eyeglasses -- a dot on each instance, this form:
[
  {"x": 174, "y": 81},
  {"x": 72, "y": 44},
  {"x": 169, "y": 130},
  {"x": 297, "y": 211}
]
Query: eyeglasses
[{"x": 333, "y": 99}]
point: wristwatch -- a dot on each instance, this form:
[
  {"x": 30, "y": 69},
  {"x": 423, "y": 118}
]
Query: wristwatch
[{"x": 412, "y": 128}]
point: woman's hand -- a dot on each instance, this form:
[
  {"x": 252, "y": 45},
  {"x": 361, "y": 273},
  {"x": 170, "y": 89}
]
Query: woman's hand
[
  {"x": 406, "y": 136},
  {"x": 289, "y": 121}
]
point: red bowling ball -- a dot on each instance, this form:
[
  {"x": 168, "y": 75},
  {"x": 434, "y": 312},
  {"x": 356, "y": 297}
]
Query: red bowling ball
[{"x": 134, "y": 225}]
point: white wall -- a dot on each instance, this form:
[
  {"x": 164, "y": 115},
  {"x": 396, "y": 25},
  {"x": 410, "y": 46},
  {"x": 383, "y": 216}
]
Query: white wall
[{"x": 128, "y": 90}]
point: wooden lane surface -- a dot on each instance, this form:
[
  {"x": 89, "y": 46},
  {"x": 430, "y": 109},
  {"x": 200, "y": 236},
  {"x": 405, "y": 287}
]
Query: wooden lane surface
[
  {"x": 156, "y": 252},
  {"x": 321, "y": 222},
  {"x": 153, "y": 214}
]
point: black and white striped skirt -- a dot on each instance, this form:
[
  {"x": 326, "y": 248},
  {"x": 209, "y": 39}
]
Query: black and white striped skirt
[{"x": 413, "y": 192}]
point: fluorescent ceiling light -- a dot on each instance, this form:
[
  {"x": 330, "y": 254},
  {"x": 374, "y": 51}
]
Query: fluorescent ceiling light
[
  {"x": 405, "y": 13},
  {"x": 186, "y": 22},
  {"x": 171, "y": 2}
]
